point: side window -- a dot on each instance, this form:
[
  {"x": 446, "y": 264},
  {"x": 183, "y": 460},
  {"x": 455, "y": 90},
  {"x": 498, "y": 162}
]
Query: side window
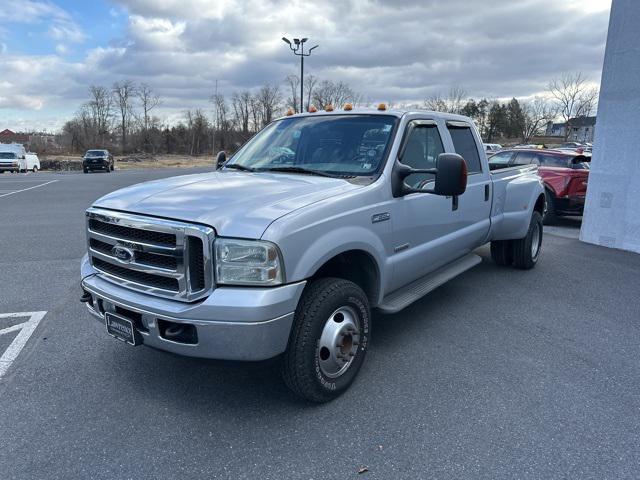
[
  {"x": 502, "y": 158},
  {"x": 423, "y": 147},
  {"x": 524, "y": 158},
  {"x": 465, "y": 145}
]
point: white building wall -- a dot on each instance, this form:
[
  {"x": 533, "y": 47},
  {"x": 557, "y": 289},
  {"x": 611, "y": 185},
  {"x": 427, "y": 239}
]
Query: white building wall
[{"x": 612, "y": 210}]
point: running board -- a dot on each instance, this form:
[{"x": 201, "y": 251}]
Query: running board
[{"x": 405, "y": 296}]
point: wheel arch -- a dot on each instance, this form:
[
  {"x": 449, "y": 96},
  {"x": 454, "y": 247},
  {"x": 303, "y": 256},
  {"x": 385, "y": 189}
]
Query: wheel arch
[{"x": 357, "y": 266}]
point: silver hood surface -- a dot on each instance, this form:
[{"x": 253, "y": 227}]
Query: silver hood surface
[{"x": 235, "y": 204}]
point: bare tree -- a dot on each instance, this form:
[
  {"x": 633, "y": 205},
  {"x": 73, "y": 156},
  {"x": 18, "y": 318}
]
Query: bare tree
[
  {"x": 454, "y": 102},
  {"x": 332, "y": 93},
  {"x": 309, "y": 86},
  {"x": 574, "y": 97},
  {"x": 537, "y": 113},
  {"x": 269, "y": 100},
  {"x": 241, "y": 102},
  {"x": 101, "y": 106},
  {"x": 221, "y": 121},
  {"x": 148, "y": 101},
  {"x": 293, "y": 84},
  {"x": 123, "y": 92}
]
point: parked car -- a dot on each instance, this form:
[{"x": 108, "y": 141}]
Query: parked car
[
  {"x": 492, "y": 147},
  {"x": 565, "y": 174},
  {"x": 98, "y": 160},
  {"x": 285, "y": 250}
]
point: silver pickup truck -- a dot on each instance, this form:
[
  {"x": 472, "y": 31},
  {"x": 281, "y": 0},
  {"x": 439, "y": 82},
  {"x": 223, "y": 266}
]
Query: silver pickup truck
[{"x": 286, "y": 249}]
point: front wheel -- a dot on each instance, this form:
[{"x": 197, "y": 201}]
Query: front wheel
[
  {"x": 328, "y": 340},
  {"x": 35, "y": 169},
  {"x": 526, "y": 251}
]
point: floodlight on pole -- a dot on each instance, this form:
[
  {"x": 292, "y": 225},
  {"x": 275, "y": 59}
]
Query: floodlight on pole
[{"x": 298, "y": 50}]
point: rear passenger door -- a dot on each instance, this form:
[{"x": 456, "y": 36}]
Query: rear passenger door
[{"x": 474, "y": 206}]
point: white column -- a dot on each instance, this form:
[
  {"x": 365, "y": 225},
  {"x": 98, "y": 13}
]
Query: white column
[{"x": 612, "y": 209}]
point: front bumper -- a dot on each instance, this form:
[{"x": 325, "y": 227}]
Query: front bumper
[
  {"x": 9, "y": 166},
  {"x": 231, "y": 324},
  {"x": 98, "y": 163}
]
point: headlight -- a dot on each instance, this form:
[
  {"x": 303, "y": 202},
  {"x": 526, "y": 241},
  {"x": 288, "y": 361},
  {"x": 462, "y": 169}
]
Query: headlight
[{"x": 247, "y": 262}]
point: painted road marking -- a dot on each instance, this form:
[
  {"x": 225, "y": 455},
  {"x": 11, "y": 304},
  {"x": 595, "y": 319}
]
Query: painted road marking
[
  {"x": 25, "y": 189},
  {"x": 25, "y": 329}
]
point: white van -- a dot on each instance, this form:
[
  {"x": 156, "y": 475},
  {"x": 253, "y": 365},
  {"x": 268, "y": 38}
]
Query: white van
[
  {"x": 30, "y": 162},
  {"x": 12, "y": 155},
  {"x": 14, "y": 158}
]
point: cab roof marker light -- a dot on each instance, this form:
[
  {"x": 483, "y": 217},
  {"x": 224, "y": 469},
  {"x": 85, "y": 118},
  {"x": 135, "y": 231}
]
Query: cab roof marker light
[
  {"x": 348, "y": 107},
  {"x": 289, "y": 112},
  {"x": 328, "y": 108},
  {"x": 382, "y": 106},
  {"x": 312, "y": 109}
]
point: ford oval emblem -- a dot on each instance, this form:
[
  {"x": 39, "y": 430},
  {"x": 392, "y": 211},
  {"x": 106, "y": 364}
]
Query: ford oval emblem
[{"x": 123, "y": 254}]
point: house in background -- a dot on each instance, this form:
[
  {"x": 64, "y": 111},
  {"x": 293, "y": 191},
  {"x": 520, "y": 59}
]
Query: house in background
[
  {"x": 8, "y": 136},
  {"x": 581, "y": 129},
  {"x": 39, "y": 142}
]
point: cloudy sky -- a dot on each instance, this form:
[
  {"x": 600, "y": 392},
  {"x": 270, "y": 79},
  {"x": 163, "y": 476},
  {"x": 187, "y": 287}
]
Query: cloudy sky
[{"x": 401, "y": 50}]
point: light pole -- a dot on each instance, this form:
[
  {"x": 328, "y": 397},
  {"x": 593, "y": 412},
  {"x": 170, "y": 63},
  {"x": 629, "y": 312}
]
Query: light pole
[{"x": 297, "y": 47}]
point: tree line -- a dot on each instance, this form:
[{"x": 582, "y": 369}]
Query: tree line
[
  {"x": 569, "y": 96},
  {"x": 122, "y": 117}
]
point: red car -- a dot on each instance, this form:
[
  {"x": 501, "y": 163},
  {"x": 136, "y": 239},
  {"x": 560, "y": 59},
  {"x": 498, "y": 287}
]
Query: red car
[{"x": 565, "y": 175}]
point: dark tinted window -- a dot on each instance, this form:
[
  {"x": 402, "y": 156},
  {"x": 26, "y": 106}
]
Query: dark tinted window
[
  {"x": 551, "y": 160},
  {"x": 465, "y": 145},
  {"x": 423, "y": 147}
]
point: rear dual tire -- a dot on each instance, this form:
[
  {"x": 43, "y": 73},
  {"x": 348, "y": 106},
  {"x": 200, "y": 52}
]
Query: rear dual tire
[
  {"x": 328, "y": 341},
  {"x": 523, "y": 253}
]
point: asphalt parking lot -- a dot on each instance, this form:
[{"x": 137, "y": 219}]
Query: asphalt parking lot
[{"x": 498, "y": 374}]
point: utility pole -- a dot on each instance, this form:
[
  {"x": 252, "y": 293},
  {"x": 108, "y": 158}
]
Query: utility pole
[
  {"x": 297, "y": 47},
  {"x": 215, "y": 120}
]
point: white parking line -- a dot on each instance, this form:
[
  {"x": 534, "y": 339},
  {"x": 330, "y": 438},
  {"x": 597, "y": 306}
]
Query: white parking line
[
  {"x": 25, "y": 189},
  {"x": 26, "y": 330}
]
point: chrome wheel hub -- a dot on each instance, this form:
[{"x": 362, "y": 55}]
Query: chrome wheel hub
[{"x": 339, "y": 342}]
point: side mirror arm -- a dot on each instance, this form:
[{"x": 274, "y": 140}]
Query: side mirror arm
[{"x": 400, "y": 172}]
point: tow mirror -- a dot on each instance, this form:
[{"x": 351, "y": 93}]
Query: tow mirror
[
  {"x": 221, "y": 158},
  {"x": 450, "y": 177}
]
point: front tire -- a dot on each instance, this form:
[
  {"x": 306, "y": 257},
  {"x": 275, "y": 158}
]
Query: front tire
[
  {"x": 526, "y": 251},
  {"x": 328, "y": 341},
  {"x": 34, "y": 169}
]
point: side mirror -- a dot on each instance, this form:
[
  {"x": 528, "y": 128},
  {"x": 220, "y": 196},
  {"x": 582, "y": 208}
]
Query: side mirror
[
  {"x": 451, "y": 178},
  {"x": 221, "y": 158},
  {"x": 450, "y": 173}
]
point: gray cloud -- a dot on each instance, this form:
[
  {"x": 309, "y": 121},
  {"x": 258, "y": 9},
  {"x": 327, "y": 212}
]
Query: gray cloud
[{"x": 402, "y": 50}]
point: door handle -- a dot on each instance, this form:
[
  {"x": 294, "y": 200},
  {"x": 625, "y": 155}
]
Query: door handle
[
  {"x": 486, "y": 192},
  {"x": 454, "y": 203}
]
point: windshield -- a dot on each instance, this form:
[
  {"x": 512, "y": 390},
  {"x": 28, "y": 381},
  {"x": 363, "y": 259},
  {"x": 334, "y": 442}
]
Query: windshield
[
  {"x": 349, "y": 145},
  {"x": 8, "y": 156},
  {"x": 95, "y": 153}
]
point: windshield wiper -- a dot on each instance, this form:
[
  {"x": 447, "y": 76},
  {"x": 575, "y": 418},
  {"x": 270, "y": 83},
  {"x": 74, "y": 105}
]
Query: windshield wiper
[
  {"x": 303, "y": 170},
  {"x": 237, "y": 166}
]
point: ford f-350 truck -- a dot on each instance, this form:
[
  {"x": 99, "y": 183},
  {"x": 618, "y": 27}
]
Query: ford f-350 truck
[{"x": 285, "y": 250}]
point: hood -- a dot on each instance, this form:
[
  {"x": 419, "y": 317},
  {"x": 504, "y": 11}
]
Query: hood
[{"x": 235, "y": 204}]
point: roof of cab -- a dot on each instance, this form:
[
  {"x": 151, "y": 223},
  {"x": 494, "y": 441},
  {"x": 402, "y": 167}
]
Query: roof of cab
[{"x": 396, "y": 112}]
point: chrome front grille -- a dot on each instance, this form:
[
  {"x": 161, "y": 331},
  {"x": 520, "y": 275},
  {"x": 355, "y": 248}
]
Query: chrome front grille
[{"x": 159, "y": 257}]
